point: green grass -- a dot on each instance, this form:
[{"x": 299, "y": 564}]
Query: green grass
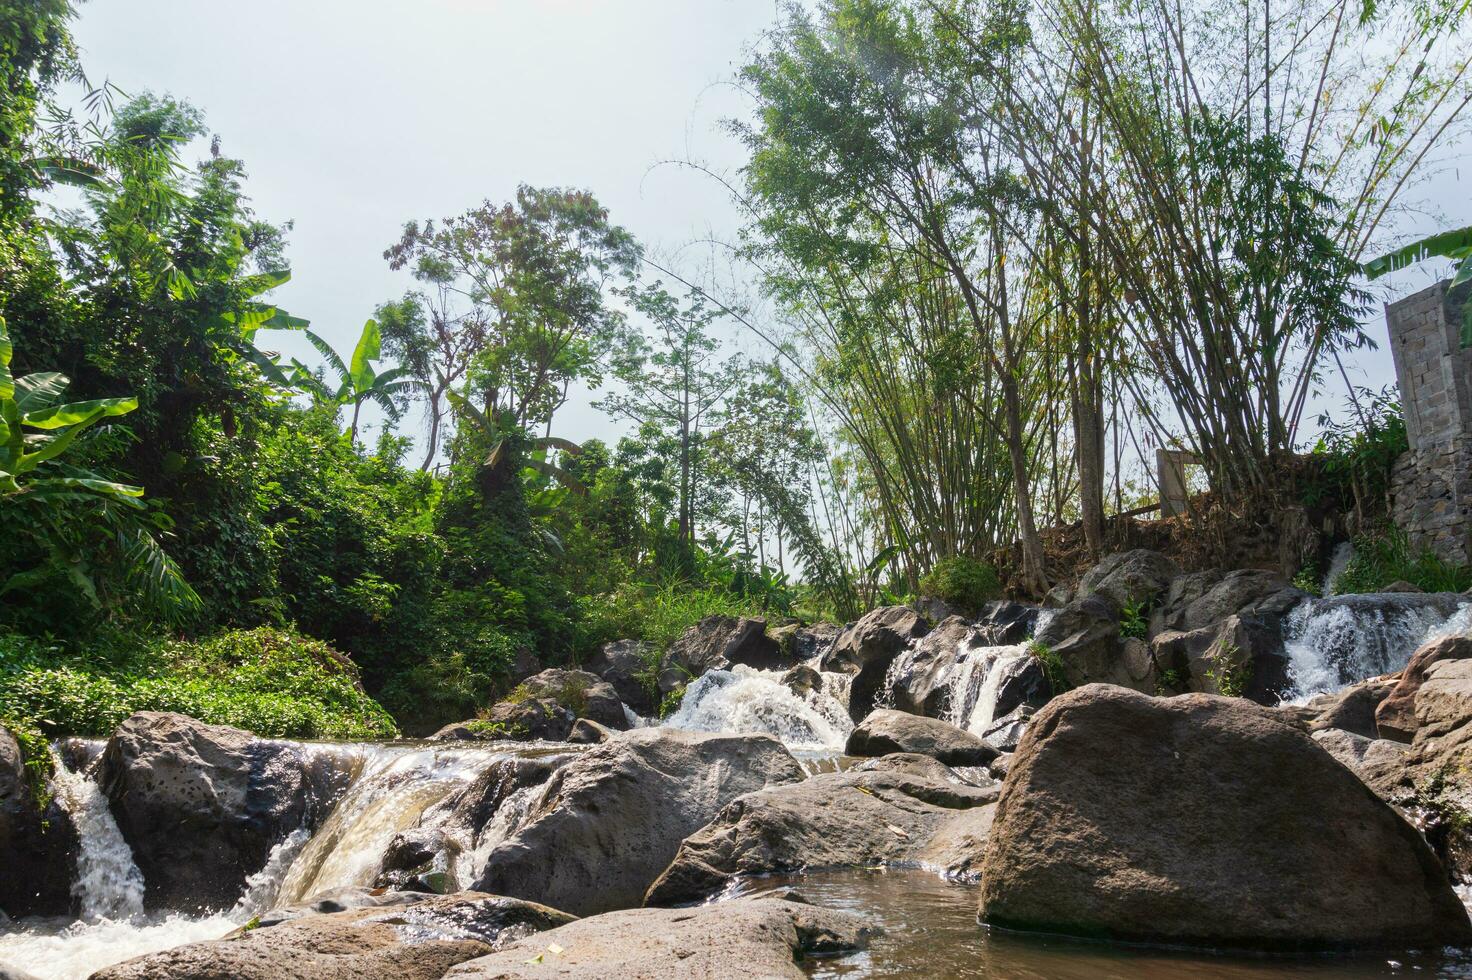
[
  {"x": 1387, "y": 556},
  {"x": 273, "y": 682}
]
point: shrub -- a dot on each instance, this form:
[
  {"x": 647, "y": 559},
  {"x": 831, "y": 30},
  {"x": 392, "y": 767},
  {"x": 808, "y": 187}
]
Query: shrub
[
  {"x": 962, "y": 582},
  {"x": 1052, "y": 665},
  {"x": 1387, "y": 556},
  {"x": 1134, "y": 620},
  {"x": 273, "y": 682},
  {"x": 655, "y": 614}
]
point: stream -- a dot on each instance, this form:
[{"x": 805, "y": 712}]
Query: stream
[{"x": 930, "y": 923}]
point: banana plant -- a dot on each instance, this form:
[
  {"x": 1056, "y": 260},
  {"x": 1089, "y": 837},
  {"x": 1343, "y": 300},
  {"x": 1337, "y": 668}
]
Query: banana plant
[
  {"x": 1455, "y": 245},
  {"x": 499, "y": 453},
  {"x": 36, "y": 428},
  {"x": 358, "y": 381}
]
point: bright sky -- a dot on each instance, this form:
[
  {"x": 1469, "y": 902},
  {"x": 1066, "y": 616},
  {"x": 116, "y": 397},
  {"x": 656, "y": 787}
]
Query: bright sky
[{"x": 354, "y": 116}]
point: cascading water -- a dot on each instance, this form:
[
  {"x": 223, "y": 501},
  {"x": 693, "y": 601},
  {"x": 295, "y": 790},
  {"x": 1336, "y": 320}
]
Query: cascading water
[
  {"x": 1338, "y": 562},
  {"x": 744, "y": 699},
  {"x": 108, "y": 885},
  {"x": 1338, "y": 641},
  {"x": 393, "y": 787}
]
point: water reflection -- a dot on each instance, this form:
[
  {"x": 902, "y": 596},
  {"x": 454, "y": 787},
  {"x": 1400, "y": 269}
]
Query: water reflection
[{"x": 930, "y": 929}]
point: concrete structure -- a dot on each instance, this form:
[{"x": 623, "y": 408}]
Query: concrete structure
[
  {"x": 1170, "y": 474},
  {"x": 1432, "y": 484}
]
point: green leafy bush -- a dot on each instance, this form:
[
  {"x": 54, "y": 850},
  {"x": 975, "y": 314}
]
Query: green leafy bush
[
  {"x": 655, "y": 614},
  {"x": 1134, "y": 620},
  {"x": 962, "y": 582},
  {"x": 269, "y": 681},
  {"x": 1387, "y": 556},
  {"x": 1052, "y": 665}
]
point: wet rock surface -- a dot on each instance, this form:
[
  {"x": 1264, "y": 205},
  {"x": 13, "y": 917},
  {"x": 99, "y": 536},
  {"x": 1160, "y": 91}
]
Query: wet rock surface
[
  {"x": 867, "y": 648},
  {"x": 609, "y": 822},
  {"x": 201, "y": 806},
  {"x": 1173, "y": 848},
  {"x": 406, "y": 941},
  {"x": 37, "y": 842},
  {"x": 756, "y": 937},
  {"x": 901, "y": 809},
  {"x": 885, "y": 731}
]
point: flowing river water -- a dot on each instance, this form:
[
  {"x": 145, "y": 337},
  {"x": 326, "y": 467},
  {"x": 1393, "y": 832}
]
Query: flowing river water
[{"x": 930, "y": 923}]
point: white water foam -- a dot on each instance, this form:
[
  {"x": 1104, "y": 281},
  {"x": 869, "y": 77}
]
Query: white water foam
[
  {"x": 1338, "y": 562},
  {"x": 1334, "y": 643},
  {"x": 744, "y": 699},
  {"x": 108, "y": 885}
]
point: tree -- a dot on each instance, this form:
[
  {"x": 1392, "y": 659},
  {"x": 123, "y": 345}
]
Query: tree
[
  {"x": 520, "y": 311},
  {"x": 672, "y": 387}
]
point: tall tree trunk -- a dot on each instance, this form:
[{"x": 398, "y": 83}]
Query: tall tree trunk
[
  {"x": 353, "y": 431},
  {"x": 435, "y": 413}
]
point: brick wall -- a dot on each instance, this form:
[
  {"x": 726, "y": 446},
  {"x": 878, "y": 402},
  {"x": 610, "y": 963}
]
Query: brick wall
[{"x": 1432, "y": 484}]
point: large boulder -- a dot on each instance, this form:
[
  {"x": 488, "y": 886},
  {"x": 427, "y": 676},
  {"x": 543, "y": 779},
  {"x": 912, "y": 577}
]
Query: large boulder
[
  {"x": 1203, "y": 821},
  {"x": 202, "y": 806},
  {"x": 405, "y": 940},
  {"x": 605, "y": 825},
  {"x": 1002, "y": 622},
  {"x": 884, "y": 731},
  {"x": 584, "y": 693},
  {"x": 627, "y": 665},
  {"x": 1136, "y": 577},
  {"x": 902, "y": 809},
  {"x": 1395, "y": 714},
  {"x": 722, "y": 642},
  {"x": 866, "y": 648},
  {"x": 764, "y": 937},
  {"x": 37, "y": 841}
]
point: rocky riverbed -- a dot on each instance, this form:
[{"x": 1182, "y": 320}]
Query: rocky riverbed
[{"x": 1275, "y": 781}]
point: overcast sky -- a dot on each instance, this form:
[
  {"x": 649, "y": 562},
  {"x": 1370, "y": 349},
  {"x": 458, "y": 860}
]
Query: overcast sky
[{"x": 354, "y": 116}]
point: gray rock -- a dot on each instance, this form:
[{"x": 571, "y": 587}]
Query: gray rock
[
  {"x": 814, "y": 640},
  {"x": 1350, "y": 710},
  {"x": 1002, "y": 623},
  {"x": 417, "y": 941},
  {"x": 866, "y": 649},
  {"x": 1138, "y": 576},
  {"x": 752, "y": 937},
  {"x": 608, "y": 823},
  {"x": 1085, "y": 637},
  {"x": 919, "y": 679},
  {"x": 721, "y": 642},
  {"x": 466, "y": 813},
  {"x": 625, "y": 665},
  {"x": 1358, "y": 752},
  {"x": 910, "y": 810},
  {"x": 1006, "y": 732},
  {"x": 1242, "y": 653},
  {"x": 420, "y": 860},
  {"x": 586, "y": 731},
  {"x": 1395, "y": 715},
  {"x": 885, "y": 731},
  {"x": 201, "y": 806},
  {"x": 584, "y": 693},
  {"x": 1172, "y": 847},
  {"x": 1234, "y": 593},
  {"x": 37, "y": 845}
]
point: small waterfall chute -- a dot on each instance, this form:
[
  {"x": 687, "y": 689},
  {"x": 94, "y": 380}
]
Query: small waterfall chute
[
  {"x": 1338, "y": 641},
  {"x": 108, "y": 884}
]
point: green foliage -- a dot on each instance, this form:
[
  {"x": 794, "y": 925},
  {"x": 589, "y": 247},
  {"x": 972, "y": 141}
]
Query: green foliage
[
  {"x": 35, "y": 751},
  {"x": 655, "y": 614},
  {"x": 1355, "y": 460},
  {"x": 272, "y": 682},
  {"x": 1228, "y": 672},
  {"x": 1052, "y": 665},
  {"x": 1134, "y": 620},
  {"x": 671, "y": 702},
  {"x": 1309, "y": 579},
  {"x": 1386, "y": 556},
  {"x": 962, "y": 582},
  {"x": 1169, "y": 682}
]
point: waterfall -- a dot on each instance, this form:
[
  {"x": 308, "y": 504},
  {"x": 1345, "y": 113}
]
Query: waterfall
[
  {"x": 108, "y": 885},
  {"x": 396, "y": 786},
  {"x": 744, "y": 699},
  {"x": 1334, "y": 642},
  {"x": 1338, "y": 562}
]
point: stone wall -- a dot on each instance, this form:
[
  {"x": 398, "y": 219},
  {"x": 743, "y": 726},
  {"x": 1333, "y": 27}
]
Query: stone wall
[{"x": 1432, "y": 483}]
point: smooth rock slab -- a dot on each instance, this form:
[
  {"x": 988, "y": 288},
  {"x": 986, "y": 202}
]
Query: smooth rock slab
[
  {"x": 885, "y": 731},
  {"x": 416, "y": 941},
  {"x": 609, "y": 822},
  {"x": 754, "y": 937},
  {"x": 1203, "y": 821},
  {"x": 902, "y": 809}
]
